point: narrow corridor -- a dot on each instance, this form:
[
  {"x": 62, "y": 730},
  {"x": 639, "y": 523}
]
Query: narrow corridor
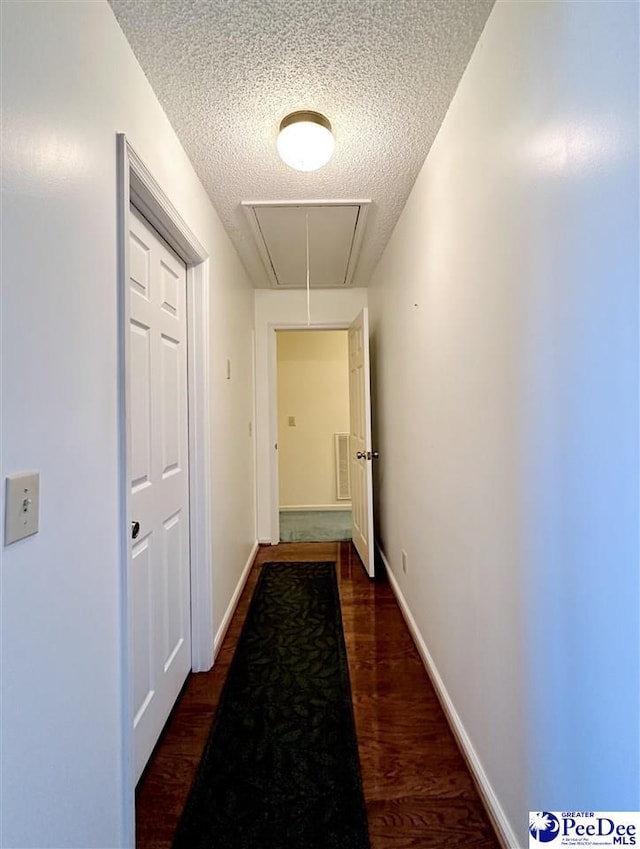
[{"x": 418, "y": 790}]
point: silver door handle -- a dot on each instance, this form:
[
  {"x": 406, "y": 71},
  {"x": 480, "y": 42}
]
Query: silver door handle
[{"x": 367, "y": 455}]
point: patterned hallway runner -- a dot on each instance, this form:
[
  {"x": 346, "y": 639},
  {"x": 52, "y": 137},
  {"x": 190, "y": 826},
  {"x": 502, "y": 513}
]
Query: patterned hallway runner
[{"x": 280, "y": 769}]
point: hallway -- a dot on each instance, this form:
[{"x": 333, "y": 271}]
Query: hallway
[
  {"x": 417, "y": 788},
  {"x": 494, "y": 147}
]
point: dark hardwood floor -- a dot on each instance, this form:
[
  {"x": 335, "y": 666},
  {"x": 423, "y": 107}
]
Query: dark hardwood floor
[{"x": 418, "y": 790}]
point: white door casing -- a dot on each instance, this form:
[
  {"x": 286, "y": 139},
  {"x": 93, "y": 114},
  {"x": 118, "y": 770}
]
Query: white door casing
[
  {"x": 360, "y": 441},
  {"x": 159, "y": 567}
]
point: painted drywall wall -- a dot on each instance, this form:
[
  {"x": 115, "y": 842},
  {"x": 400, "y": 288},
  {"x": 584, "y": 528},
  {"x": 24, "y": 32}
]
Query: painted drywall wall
[
  {"x": 313, "y": 390},
  {"x": 285, "y": 309},
  {"x": 505, "y": 330},
  {"x": 69, "y": 83}
]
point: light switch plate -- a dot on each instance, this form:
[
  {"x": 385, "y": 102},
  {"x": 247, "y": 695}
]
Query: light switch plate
[{"x": 22, "y": 505}]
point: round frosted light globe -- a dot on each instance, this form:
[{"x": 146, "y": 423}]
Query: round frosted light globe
[{"x": 305, "y": 141}]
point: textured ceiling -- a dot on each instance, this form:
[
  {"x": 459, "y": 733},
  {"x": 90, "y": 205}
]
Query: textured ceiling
[{"x": 382, "y": 71}]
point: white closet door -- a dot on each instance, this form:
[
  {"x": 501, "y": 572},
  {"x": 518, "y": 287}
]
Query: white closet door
[{"x": 159, "y": 568}]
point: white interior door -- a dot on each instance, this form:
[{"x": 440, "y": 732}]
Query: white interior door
[
  {"x": 159, "y": 568},
  {"x": 361, "y": 453}
]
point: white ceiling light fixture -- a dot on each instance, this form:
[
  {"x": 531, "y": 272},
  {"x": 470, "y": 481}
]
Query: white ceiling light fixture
[{"x": 305, "y": 141}]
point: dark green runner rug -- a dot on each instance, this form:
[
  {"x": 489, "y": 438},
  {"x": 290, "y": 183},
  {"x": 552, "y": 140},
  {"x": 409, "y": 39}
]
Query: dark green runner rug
[{"x": 280, "y": 769}]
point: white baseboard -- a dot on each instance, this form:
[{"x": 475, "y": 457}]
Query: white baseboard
[
  {"x": 501, "y": 824},
  {"x": 226, "y": 619},
  {"x": 292, "y": 508}
]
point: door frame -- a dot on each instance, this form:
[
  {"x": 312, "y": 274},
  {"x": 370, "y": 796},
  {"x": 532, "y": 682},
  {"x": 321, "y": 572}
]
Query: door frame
[
  {"x": 274, "y": 470},
  {"x": 136, "y": 185}
]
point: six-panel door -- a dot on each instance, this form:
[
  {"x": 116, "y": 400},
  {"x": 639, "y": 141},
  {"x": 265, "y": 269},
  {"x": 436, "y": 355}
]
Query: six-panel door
[{"x": 158, "y": 461}]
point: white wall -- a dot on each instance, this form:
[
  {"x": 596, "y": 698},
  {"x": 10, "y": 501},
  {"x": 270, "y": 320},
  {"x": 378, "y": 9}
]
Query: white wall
[
  {"x": 282, "y": 309},
  {"x": 505, "y": 343},
  {"x": 69, "y": 83},
  {"x": 313, "y": 388}
]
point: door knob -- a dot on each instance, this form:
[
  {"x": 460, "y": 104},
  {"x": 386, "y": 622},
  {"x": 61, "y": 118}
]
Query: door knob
[
  {"x": 135, "y": 529},
  {"x": 367, "y": 455}
]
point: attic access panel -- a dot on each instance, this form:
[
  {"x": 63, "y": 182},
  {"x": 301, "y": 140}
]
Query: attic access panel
[{"x": 336, "y": 229}]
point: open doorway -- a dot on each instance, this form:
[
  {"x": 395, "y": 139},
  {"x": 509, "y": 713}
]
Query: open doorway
[{"x": 313, "y": 435}]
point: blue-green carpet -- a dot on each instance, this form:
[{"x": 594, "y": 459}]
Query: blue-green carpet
[{"x": 315, "y": 525}]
